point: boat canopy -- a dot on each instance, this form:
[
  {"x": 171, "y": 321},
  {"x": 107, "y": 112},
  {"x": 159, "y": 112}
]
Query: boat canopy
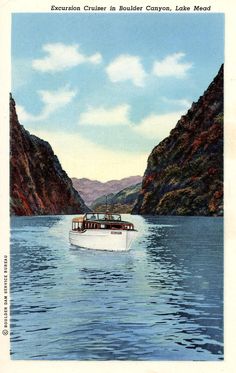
[
  {"x": 97, "y": 216},
  {"x": 102, "y": 216}
]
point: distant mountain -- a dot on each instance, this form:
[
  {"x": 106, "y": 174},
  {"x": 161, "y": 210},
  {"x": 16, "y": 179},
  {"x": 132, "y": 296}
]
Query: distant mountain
[
  {"x": 38, "y": 184},
  {"x": 184, "y": 175},
  {"x": 122, "y": 202},
  {"x": 90, "y": 190}
]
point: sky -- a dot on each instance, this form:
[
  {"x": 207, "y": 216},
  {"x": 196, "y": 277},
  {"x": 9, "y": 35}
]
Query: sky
[{"x": 104, "y": 89}]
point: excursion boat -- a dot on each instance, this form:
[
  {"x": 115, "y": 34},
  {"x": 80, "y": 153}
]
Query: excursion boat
[{"x": 102, "y": 231}]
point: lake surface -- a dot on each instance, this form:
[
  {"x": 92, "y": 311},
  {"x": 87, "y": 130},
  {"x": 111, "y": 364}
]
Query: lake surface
[{"x": 162, "y": 300}]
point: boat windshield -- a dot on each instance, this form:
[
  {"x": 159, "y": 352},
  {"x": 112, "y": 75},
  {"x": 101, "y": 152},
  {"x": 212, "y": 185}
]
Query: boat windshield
[{"x": 101, "y": 216}]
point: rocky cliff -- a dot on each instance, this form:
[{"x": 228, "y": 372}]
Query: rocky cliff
[
  {"x": 122, "y": 202},
  {"x": 38, "y": 185},
  {"x": 90, "y": 190},
  {"x": 184, "y": 174}
]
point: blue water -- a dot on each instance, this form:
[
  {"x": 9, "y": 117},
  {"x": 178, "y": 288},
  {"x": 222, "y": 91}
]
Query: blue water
[{"x": 163, "y": 300}]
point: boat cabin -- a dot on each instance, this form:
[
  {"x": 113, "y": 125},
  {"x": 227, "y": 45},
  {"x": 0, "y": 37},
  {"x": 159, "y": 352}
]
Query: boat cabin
[{"x": 100, "y": 221}]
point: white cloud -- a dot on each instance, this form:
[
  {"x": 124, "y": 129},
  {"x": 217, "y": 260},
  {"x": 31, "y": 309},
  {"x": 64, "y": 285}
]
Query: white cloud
[
  {"x": 61, "y": 57},
  {"x": 185, "y": 103},
  {"x": 101, "y": 116},
  {"x": 125, "y": 68},
  {"x": 23, "y": 115},
  {"x": 157, "y": 126},
  {"x": 95, "y": 58},
  {"x": 82, "y": 158},
  {"x": 172, "y": 66},
  {"x": 52, "y": 100},
  {"x": 152, "y": 126}
]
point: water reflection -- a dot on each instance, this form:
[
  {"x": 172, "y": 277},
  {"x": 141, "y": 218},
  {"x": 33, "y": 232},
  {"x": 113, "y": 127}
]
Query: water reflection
[
  {"x": 33, "y": 272},
  {"x": 160, "y": 301},
  {"x": 24, "y": 222},
  {"x": 184, "y": 270}
]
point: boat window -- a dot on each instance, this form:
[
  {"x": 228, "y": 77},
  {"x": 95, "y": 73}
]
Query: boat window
[
  {"x": 108, "y": 216},
  {"x": 91, "y": 216},
  {"x": 115, "y": 217}
]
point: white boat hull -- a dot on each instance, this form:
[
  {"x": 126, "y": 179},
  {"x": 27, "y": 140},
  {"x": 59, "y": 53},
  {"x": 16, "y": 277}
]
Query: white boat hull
[{"x": 107, "y": 239}]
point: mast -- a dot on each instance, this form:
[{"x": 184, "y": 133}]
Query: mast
[{"x": 106, "y": 206}]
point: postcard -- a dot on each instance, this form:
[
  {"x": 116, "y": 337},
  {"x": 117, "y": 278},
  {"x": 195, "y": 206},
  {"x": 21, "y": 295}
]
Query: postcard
[{"x": 117, "y": 200}]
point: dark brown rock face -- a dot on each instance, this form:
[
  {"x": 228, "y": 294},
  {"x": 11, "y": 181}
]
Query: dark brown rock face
[
  {"x": 38, "y": 184},
  {"x": 184, "y": 175}
]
